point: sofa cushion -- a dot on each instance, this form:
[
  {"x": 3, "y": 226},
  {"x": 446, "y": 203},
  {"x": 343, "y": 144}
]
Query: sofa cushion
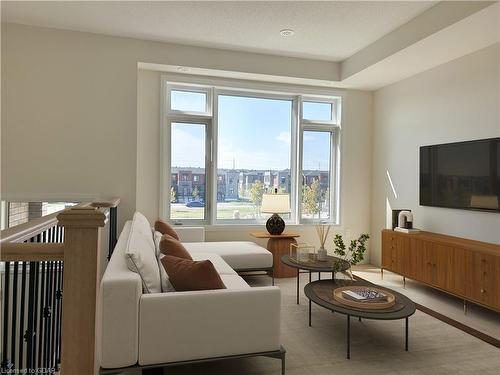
[
  {"x": 140, "y": 254},
  {"x": 234, "y": 282},
  {"x": 157, "y": 238},
  {"x": 239, "y": 255},
  {"x": 171, "y": 246},
  {"x": 165, "y": 228},
  {"x": 221, "y": 267},
  {"x": 186, "y": 274},
  {"x": 166, "y": 286}
]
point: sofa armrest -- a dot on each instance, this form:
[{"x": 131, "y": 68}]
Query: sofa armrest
[
  {"x": 190, "y": 234},
  {"x": 119, "y": 319},
  {"x": 180, "y": 326}
]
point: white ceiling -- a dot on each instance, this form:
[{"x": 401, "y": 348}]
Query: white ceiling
[{"x": 331, "y": 30}]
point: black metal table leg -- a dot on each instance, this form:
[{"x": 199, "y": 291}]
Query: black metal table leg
[
  {"x": 310, "y": 280},
  {"x": 359, "y": 318},
  {"x": 309, "y": 313},
  {"x": 298, "y": 275},
  {"x": 348, "y": 337},
  {"x": 406, "y": 334},
  {"x": 319, "y": 275}
]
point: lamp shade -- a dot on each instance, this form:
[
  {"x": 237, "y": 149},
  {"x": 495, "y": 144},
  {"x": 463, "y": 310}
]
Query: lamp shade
[{"x": 275, "y": 203}]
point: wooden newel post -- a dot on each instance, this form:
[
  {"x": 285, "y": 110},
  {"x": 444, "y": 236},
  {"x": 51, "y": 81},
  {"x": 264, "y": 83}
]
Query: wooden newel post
[{"x": 82, "y": 231}]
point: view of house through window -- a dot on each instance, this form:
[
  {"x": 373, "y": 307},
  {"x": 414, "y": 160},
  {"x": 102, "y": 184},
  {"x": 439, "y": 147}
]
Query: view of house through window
[
  {"x": 316, "y": 175},
  {"x": 249, "y": 163},
  {"x": 187, "y": 174},
  {"x": 254, "y": 141}
]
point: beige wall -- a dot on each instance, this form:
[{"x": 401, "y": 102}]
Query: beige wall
[
  {"x": 453, "y": 102},
  {"x": 70, "y": 108},
  {"x": 79, "y": 121},
  {"x": 355, "y": 179}
]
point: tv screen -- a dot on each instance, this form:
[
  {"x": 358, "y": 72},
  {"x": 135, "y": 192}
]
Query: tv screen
[{"x": 463, "y": 175}]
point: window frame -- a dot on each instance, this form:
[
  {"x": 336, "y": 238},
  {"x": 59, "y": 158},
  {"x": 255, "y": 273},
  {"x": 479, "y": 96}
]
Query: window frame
[
  {"x": 186, "y": 87},
  {"x": 333, "y": 127},
  {"x": 213, "y": 87},
  {"x": 293, "y": 142}
]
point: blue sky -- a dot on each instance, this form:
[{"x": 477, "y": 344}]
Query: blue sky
[{"x": 253, "y": 133}]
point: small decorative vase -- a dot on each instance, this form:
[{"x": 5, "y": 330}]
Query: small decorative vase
[{"x": 322, "y": 254}]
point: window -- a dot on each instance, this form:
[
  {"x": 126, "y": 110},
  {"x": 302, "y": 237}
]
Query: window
[
  {"x": 187, "y": 157},
  {"x": 318, "y": 111},
  {"x": 225, "y": 147},
  {"x": 316, "y": 166},
  {"x": 244, "y": 152}
]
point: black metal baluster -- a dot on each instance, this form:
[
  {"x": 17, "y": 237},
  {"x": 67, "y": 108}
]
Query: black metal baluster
[
  {"x": 39, "y": 238},
  {"x": 53, "y": 317},
  {"x": 59, "y": 311},
  {"x": 47, "y": 316},
  {"x": 29, "y": 335},
  {"x": 36, "y": 301},
  {"x": 6, "y": 364},
  {"x": 112, "y": 230},
  {"x": 61, "y": 294},
  {"x": 41, "y": 321},
  {"x": 55, "y": 321},
  {"x": 21, "y": 315},
  {"x": 14, "y": 315}
]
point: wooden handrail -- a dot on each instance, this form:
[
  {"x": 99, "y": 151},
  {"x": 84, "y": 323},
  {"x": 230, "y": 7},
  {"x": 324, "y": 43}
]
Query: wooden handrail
[
  {"x": 113, "y": 202},
  {"x": 31, "y": 252},
  {"x": 81, "y": 253},
  {"x": 25, "y": 231}
]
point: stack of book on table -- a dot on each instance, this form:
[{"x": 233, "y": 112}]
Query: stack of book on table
[{"x": 364, "y": 295}]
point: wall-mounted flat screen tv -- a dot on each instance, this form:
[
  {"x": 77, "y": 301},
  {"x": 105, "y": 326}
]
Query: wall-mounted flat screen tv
[{"x": 464, "y": 175}]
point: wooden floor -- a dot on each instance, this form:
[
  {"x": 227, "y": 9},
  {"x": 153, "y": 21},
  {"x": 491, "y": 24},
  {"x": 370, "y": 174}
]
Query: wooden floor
[
  {"x": 377, "y": 347},
  {"x": 478, "y": 318}
]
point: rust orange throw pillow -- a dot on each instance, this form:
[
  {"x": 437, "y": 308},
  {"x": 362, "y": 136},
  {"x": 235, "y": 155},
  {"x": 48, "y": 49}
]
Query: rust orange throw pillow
[
  {"x": 185, "y": 274},
  {"x": 165, "y": 228},
  {"x": 170, "y": 246}
]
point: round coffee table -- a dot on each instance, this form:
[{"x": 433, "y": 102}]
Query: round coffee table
[
  {"x": 321, "y": 293},
  {"x": 314, "y": 265}
]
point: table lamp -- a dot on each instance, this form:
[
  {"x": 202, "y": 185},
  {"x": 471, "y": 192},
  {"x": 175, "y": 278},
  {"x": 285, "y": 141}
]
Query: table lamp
[{"x": 275, "y": 204}]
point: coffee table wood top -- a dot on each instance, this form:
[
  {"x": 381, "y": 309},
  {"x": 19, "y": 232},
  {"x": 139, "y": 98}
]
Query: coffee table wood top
[
  {"x": 404, "y": 306},
  {"x": 267, "y": 235},
  {"x": 316, "y": 265}
]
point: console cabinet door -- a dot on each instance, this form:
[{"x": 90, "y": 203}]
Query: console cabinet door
[
  {"x": 400, "y": 252},
  {"x": 450, "y": 270},
  {"x": 387, "y": 238},
  {"x": 429, "y": 275},
  {"x": 483, "y": 278},
  {"x": 415, "y": 260}
]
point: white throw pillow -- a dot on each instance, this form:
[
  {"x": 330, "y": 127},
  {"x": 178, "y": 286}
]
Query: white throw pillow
[
  {"x": 166, "y": 286},
  {"x": 141, "y": 254},
  {"x": 157, "y": 238}
]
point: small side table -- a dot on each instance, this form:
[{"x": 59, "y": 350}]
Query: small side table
[{"x": 279, "y": 245}]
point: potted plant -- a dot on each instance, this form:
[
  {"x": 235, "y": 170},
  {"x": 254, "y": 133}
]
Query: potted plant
[{"x": 353, "y": 255}]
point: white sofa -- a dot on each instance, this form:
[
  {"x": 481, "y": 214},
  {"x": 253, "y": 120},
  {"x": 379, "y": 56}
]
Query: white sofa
[{"x": 159, "y": 329}]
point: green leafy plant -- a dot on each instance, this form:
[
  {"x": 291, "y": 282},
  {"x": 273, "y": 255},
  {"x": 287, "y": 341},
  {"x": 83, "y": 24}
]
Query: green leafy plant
[{"x": 354, "y": 254}]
